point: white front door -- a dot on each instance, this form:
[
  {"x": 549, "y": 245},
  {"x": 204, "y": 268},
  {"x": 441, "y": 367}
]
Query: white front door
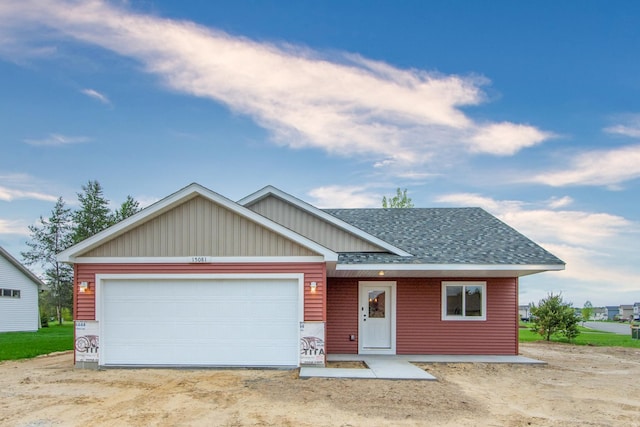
[{"x": 377, "y": 321}]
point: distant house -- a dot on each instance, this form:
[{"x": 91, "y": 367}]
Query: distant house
[
  {"x": 525, "y": 312},
  {"x": 636, "y": 311},
  {"x": 599, "y": 313},
  {"x": 612, "y": 311},
  {"x": 626, "y": 312},
  {"x": 19, "y": 290}
]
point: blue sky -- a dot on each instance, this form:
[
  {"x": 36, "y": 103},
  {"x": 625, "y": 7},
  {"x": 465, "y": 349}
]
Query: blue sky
[{"x": 527, "y": 109}]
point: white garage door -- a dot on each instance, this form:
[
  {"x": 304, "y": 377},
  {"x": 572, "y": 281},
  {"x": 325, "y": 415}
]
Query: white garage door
[{"x": 207, "y": 322}]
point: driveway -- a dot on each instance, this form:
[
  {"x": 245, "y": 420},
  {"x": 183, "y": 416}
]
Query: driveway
[{"x": 616, "y": 328}]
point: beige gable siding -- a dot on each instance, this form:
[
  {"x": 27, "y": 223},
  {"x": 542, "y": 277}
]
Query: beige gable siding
[
  {"x": 199, "y": 227},
  {"x": 311, "y": 226}
]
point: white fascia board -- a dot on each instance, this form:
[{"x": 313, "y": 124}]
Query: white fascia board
[
  {"x": 451, "y": 267},
  {"x": 198, "y": 260},
  {"x": 266, "y": 191},
  {"x": 193, "y": 189}
]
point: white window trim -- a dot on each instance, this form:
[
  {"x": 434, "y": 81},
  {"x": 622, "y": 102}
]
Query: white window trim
[{"x": 462, "y": 317}]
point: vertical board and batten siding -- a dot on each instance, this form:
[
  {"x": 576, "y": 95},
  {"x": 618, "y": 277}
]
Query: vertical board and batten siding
[
  {"x": 314, "y": 303},
  {"x": 18, "y": 314},
  {"x": 199, "y": 227},
  {"x": 310, "y": 226},
  {"x": 419, "y": 325}
]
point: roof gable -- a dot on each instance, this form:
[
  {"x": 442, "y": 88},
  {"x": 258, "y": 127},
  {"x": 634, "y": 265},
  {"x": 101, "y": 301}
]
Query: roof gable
[
  {"x": 316, "y": 224},
  {"x": 181, "y": 213},
  {"x": 199, "y": 227},
  {"x": 24, "y": 270}
]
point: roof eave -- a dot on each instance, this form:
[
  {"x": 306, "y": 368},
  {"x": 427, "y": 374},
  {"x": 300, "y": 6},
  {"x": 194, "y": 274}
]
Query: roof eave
[{"x": 441, "y": 270}]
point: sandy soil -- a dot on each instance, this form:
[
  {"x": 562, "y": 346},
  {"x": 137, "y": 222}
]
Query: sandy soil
[{"x": 580, "y": 386}]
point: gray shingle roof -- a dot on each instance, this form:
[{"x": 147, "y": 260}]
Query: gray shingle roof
[{"x": 442, "y": 236}]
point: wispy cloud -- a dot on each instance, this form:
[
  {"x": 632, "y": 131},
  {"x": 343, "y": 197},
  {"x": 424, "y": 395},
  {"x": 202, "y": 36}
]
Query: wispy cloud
[
  {"x": 96, "y": 95},
  {"x": 8, "y": 226},
  {"x": 588, "y": 242},
  {"x": 597, "y": 167},
  {"x": 21, "y": 186},
  {"x": 57, "y": 140},
  {"x": 336, "y": 196},
  {"x": 630, "y": 126},
  {"x": 341, "y": 103},
  {"x": 9, "y": 194}
]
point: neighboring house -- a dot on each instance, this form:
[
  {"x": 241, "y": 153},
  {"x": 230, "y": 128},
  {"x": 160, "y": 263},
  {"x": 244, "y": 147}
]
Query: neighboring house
[
  {"x": 612, "y": 311},
  {"x": 599, "y": 313},
  {"x": 636, "y": 311},
  {"x": 626, "y": 313},
  {"x": 525, "y": 312},
  {"x": 19, "y": 289},
  {"x": 197, "y": 279}
]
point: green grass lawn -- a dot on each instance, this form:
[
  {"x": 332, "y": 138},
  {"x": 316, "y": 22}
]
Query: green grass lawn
[
  {"x": 22, "y": 345},
  {"x": 587, "y": 337}
]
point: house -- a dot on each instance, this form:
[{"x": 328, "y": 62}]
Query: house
[
  {"x": 612, "y": 311},
  {"x": 636, "y": 311},
  {"x": 19, "y": 289},
  {"x": 625, "y": 313},
  {"x": 199, "y": 280},
  {"x": 524, "y": 311},
  {"x": 599, "y": 313}
]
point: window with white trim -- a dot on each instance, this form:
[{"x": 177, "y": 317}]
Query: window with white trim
[
  {"x": 464, "y": 300},
  {"x": 10, "y": 293}
]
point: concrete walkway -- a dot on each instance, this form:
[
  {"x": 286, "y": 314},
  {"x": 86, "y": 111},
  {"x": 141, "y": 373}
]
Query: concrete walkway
[{"x": 399, "y": 367}]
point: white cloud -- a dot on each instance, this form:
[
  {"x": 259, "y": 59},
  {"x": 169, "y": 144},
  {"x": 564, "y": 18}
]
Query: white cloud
[
  {"x": 8, "y": 226},
  {"x": 630, "y": 128},
  {"x": 598, "y": 167},
  {"x": 57, "y": 140},
  {"x": 506, "y": 138},
  {"x": 346, "y": 104},
  {"x": 336, "y": 196},
  {"x": 556, "y": 203},
  {"x": 96, "y": 95},
  {"x": 590, "y": 243}
]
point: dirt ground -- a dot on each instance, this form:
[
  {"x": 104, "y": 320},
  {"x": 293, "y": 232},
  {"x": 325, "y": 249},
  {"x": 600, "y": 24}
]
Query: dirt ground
[{"x": 580, "y": 386}]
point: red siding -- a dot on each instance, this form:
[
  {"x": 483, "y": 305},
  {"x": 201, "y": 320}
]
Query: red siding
[
  {"x": 342, "y": 316},
  {"x": 419, "y": 328},
  {"x": 314, "y": 303}
]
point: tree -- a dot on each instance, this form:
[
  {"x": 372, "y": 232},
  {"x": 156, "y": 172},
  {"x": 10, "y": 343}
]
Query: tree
[
  {"x": 94, "y": 214},
  {"x": 554, "y": 316},
  {"x": 587, "y": 311},
  {"x": 51, "y": 236},
  {"x": 400, "y": 200},
  {"x": 129, "y": 207}
]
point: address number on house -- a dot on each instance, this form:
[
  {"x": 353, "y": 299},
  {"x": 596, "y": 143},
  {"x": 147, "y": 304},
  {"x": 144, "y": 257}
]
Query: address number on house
[{"x": 199, "y": 259}]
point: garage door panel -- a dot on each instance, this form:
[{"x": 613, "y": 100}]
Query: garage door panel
[{"x": 200, "y": 322}]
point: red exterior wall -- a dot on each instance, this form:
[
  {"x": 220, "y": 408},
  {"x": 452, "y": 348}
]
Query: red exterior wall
[
  {"x": 314, "y": 303},
  {"x": 419, "y": 328}
]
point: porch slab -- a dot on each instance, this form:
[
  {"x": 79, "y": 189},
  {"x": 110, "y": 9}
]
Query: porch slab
[
  {"x": 378, "y": 367},
  {"x": 399, "y": 367},
  {"x": 439, "y": 358}
]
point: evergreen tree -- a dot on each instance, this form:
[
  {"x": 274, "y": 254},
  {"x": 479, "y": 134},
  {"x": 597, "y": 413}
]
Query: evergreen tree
[
  {"x": 129, "y": 207},
  {"x": 554, "y": 316},
  {"x": 51, "y": 236},
  {"x": 94, "y": 214}
]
